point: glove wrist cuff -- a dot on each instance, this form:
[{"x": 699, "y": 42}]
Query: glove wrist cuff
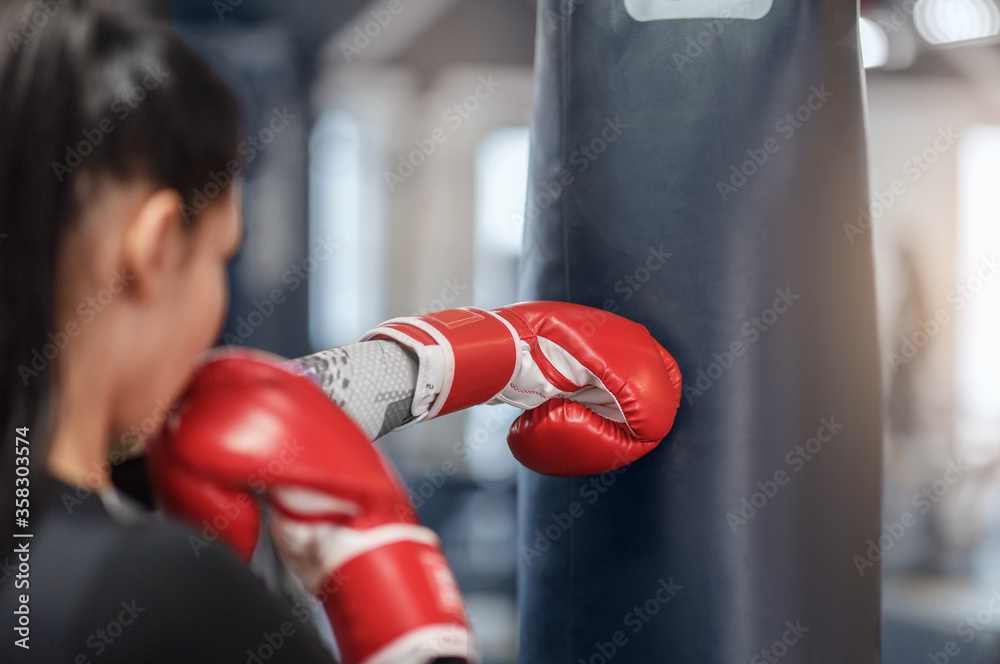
[{"x": 467, "y": 356}]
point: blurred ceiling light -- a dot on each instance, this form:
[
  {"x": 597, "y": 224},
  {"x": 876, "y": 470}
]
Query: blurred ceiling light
[
  {"x": 950, "y": 21},
  {"x": 874, "y": 44},
  {"x": 894, "y": 25}
]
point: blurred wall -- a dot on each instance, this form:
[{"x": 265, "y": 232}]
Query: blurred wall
[{"x": 917, "y": 122}]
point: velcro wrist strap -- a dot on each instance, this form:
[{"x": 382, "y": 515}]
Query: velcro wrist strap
[{"x": 478, "y": 355}]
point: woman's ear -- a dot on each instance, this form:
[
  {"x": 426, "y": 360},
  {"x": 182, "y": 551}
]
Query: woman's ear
[{"x": 153, "y": 241}]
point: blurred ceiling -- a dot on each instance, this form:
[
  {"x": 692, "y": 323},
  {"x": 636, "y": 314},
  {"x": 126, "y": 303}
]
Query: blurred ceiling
[
  {"x": 311, "y": 21},
  {"x": 441, "y": 31}
]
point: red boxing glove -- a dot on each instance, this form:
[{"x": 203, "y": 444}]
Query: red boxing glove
[
  {"x": 340, "y": 519},
  {"x": 599, "y": 391}
]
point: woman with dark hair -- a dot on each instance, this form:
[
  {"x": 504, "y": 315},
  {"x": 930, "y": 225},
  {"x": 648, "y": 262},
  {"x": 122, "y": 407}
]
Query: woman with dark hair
[
  {"x": 113, "y": 135},
  {"x": 118, "y": 215},
  {"x": 108, "y": 292}
]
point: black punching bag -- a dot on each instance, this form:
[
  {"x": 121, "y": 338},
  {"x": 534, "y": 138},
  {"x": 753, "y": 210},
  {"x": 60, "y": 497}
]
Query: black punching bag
[{"x": 704, "y": 176}]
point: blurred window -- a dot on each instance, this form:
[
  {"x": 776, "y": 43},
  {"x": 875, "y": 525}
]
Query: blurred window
[
  {"x": 345, "y": 293},
  {"x": 977, "y": 293}
]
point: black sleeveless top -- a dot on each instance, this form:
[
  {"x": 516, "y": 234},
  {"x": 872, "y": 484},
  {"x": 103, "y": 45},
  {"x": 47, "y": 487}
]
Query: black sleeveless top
[{"x": 101, "y": 591}]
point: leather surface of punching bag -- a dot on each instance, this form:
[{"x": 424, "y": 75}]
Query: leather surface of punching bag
[{"x": 704, "y": 177}]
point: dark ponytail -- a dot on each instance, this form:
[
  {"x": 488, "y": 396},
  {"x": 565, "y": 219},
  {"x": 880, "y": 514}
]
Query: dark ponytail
[{"x": 85, "y": 93}]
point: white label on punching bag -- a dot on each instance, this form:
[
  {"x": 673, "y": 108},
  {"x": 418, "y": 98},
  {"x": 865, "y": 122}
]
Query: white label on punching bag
[{"x": 661, "y": 10}]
